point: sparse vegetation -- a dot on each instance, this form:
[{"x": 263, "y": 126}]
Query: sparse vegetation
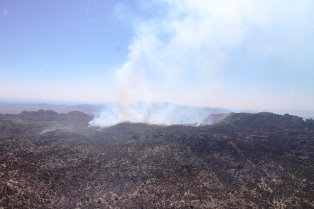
[{"x": 246, "y": 161}]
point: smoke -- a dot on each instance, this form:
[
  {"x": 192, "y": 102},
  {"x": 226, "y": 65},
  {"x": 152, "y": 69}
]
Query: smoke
[
  {"x": 181, "y": 51},
  {"x": 53, "y": 128},
  {"x": 154, "y": 113}
]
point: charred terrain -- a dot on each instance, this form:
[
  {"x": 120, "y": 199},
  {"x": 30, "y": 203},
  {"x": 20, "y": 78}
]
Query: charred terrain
[{"x": 51, "y": 160}]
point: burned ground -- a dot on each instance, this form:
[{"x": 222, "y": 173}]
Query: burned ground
[{"x": 245, "y": 161}]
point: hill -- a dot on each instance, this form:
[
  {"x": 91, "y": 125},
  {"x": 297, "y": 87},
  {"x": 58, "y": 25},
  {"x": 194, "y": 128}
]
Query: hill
[
  {"x": 259, "y": 160},
  {"x": 267, "y": 121}
]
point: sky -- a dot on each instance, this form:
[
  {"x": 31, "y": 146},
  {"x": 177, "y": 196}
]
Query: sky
[{"x": 234, "y": 54}]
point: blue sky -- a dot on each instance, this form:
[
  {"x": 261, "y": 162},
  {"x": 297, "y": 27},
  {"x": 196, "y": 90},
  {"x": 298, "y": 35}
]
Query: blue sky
[
  {"x": 60, "y": 50},
  {"x": 229, "y": 53}
]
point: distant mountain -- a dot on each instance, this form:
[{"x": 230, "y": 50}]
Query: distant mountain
[{"x": 16, "y": 108}]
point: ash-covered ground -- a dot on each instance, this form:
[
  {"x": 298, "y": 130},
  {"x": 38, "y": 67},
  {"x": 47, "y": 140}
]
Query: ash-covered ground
[{"x": 51, "y": 160}]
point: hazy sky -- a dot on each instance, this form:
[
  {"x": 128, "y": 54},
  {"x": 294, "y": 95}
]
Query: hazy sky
[{"x": 246, "y": 54}]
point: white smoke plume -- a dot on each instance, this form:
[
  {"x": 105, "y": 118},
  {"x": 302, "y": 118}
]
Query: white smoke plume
[
  {"x": 154, "y": 113},
  {"x": 179, "y": 54}
]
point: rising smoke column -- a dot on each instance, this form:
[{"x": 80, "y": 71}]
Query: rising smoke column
[{"x": 180, "y": 53}]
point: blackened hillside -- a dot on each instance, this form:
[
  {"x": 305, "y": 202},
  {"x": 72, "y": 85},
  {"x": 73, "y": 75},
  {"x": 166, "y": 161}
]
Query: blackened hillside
[
  {"x": 266, "y": 120},
  {"x": 259, "y": 160}
]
